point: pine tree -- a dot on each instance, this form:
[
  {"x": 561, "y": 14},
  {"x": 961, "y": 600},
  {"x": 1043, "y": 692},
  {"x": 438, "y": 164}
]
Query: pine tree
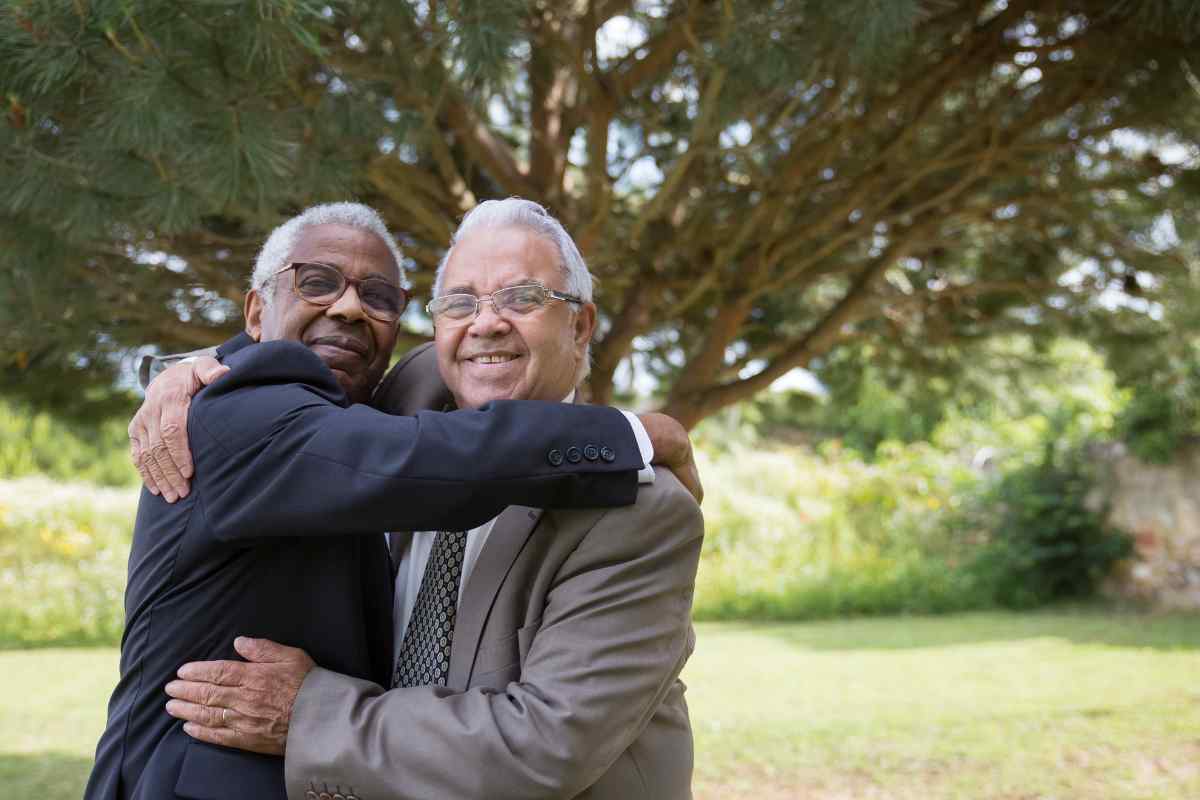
[{"x": 756, "y": 184}]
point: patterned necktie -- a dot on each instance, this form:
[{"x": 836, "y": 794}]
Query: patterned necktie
[{"x": 424, "y": 658}]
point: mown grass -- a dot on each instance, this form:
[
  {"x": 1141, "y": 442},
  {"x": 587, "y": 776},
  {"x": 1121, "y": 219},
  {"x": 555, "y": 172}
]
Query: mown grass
[{"x": 986, "y": 706}]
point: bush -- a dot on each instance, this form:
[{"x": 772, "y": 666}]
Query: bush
[
  {"x": 63, "y": 555},
  {"x": 793, "y": 534},
  {"x": 34, "y": 443},
  {"x": 1156, "y": 422},
  {"x": 1044, "y": 542}
]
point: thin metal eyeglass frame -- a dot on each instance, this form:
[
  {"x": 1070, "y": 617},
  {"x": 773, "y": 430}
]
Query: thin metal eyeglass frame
[
  {"x": 347, "y": 282},
  {"x": 551, "y": 294}
]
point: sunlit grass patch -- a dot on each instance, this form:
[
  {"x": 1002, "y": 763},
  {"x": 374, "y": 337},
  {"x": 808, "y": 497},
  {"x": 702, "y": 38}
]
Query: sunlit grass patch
[{"x": 995, "y": 706}]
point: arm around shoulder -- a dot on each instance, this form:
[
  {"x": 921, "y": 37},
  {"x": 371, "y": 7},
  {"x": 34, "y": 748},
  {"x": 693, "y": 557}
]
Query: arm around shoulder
[{"x": 284, "y": 456}]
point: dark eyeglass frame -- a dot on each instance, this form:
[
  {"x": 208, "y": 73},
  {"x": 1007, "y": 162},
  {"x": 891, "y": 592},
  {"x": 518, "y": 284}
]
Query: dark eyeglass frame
[
  {"x": 550, "y": 295},
  {"x": 327, "y": 300}
]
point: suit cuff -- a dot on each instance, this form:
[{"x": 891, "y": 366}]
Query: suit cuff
[{"x": 646, "y": 473}]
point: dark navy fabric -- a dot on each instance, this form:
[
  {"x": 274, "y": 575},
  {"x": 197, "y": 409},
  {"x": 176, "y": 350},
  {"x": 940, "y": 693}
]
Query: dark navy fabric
[{"x": 285, "y": 471}]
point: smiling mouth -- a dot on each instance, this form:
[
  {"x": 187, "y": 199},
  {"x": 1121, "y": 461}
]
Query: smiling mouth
[
  {"x": 497, "y": 358},
  {"x": 342, "y": 343}
]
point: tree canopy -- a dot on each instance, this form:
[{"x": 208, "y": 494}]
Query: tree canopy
[{"x": 756, "y": 184}]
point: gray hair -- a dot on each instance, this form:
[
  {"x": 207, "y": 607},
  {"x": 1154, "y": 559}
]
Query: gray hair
[
  {"x": 516, "y": 212},
  {"x": 279, "y": 245}
]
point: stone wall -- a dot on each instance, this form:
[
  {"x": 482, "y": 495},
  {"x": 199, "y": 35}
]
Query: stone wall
[{"x": 1159, "y": 504}]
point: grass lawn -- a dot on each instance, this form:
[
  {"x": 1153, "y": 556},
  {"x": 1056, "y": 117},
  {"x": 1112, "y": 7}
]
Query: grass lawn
[{"x": 1049, "y": 705}]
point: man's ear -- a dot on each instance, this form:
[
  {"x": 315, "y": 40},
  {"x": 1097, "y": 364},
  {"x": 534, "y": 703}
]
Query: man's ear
[
  {"x": 253, "y": 311},
  {"x": 585, "y": 325}
]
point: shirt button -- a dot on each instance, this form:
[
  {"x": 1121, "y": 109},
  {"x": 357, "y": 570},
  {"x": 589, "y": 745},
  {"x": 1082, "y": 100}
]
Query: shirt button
[
  {"x": 591, "y": 452},
  {"x": 574, "y": 455},
  {"x": 555, "y": 457},
  {"x": 607, "y": 454}
]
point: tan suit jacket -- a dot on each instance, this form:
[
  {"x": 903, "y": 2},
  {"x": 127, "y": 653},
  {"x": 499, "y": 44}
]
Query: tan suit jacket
[{"x": 564, "y": 674}]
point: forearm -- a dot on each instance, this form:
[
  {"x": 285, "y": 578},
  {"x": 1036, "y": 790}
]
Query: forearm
[
  {"x": 277, "y": 457},
  {"x": 422, "y": 742}
]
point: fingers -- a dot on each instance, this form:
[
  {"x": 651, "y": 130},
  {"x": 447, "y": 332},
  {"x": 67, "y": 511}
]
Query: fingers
[
  {"x": 229, "y": 737},
  {"x": 213, "y": 705},
  {"x": 210, "y": 696},
  {"x": 138, "y": 454},
  {"x": 159, "y": 480},
  {"x": 207, "y": 370},
  {"x": 213, "y": 717},
  {"x": 264, "y": 651},
  {"x": 176, "y": 458},
  {"x": 158, "y": 432},
  {"x": 689, "y": 476},
  {"x": 174, "y": 455},
  {"x": 672, "y": 448},
  {"x": 206, "y": 716},
  {"x": 221, "y": 673}
]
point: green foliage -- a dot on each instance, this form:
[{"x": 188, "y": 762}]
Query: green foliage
[
  {"x": 1156, "y": 422},
  {"x": 975, "y": 517},
  {"x": 35, "y": 443},
  {"x": 792, "y": 534},
  {"x": 63, "y": 554},
  {"x": 1003, "y": 393},
  {"x": 1047, "y": 539},
  {"x": 826, "y": 173}
]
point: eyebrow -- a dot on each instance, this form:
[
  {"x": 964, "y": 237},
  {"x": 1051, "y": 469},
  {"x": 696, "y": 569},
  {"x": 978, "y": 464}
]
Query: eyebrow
[
  {"x": 341, "y": 269},
  {"x": 522, "y": 281}
]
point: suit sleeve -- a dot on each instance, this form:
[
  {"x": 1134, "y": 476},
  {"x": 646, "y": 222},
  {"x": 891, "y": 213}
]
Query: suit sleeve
[
  {"x": 278, "y": 455},
  {"x": 616, "y": 634}
]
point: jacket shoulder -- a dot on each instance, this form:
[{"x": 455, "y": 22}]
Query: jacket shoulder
[
  {"x": 265, "y": 382},
  {"x": 277, "y": 362},
  {"x": 413, "y": 384},
  {"x": 663, "y": 508},
  {"x": 667, "y": 495}
]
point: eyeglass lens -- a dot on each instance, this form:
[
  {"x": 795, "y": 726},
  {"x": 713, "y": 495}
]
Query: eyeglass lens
[
  {"x": 514, "y": 299},
  {"x": 323, "y": 285}
]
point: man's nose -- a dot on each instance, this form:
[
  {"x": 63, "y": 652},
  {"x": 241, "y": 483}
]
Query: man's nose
[
  {"x": 348, "y": 307},
  {"x": 487, "y": 322}
]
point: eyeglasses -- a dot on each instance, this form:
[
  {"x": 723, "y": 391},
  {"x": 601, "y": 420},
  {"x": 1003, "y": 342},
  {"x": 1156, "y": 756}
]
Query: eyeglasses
[
  {"x": 323, "y": 285},
  {"x": 456, "y": 309}
]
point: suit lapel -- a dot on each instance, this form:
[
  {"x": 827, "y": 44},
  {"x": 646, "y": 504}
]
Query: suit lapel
[{"x": 509, "y": 534}]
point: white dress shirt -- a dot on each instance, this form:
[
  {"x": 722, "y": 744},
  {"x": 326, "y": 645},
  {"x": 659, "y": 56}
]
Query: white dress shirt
[{"x": 416, "y": 552}]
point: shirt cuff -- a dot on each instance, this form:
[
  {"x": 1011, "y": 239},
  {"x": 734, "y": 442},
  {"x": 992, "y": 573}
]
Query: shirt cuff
[{"x": 646, "y": 473}]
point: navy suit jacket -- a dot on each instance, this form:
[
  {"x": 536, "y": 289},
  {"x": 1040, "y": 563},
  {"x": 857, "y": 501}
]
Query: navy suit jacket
[{"x": 286, "y": 472}]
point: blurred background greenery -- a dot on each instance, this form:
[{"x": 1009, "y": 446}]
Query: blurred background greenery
[
  {"x": 872, "y": 500},
  {"x": 922, "y": 278}
]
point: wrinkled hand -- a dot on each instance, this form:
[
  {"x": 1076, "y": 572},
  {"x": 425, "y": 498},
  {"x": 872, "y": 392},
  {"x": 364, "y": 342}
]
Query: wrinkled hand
[
  {"x": 247, "y": 705},
  {"x": 673, "y": 449},
  {"x": 158, "y": 442}
]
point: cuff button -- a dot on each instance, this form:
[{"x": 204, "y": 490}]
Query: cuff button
[
  {"x": 574, "y": 455},
  {"x": 591, "y": 452},
  {"x": 555, "y": 457},
  {"x": 607, "y": 454}
]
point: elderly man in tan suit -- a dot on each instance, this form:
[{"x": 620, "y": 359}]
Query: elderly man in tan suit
[{"x": 538, "y": 656}]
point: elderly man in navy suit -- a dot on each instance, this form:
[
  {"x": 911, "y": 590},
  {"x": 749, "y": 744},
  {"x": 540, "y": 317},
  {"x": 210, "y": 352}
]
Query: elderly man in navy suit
[{"x": 295, "y": 480}]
